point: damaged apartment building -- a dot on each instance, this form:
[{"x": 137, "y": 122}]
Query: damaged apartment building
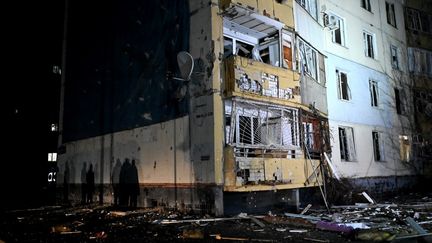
[
  {"x": 246, "y": 130},
  {"x": 418, "y": 17}
]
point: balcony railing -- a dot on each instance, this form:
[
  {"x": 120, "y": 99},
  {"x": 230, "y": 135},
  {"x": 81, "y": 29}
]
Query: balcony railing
[{"x": 260, "y": 81}]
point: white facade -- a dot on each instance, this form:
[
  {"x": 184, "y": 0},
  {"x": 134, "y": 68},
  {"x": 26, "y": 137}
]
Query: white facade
[{"x": 366, "y": 54}]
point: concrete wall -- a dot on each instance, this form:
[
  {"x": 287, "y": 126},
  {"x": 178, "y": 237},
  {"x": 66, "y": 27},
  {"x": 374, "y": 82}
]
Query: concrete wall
[{"x": 357, "y": 112}]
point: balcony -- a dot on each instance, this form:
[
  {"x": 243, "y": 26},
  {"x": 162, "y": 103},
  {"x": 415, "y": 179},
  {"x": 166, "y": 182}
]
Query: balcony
[{"x": 259, "y": 81}]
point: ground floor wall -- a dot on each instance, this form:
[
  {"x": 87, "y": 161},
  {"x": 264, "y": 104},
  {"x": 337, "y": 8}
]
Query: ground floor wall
[
  {"x": 198, "y": 198},
  {"x": 389, "y": 184},
  {"x": 360, "y": 160}
]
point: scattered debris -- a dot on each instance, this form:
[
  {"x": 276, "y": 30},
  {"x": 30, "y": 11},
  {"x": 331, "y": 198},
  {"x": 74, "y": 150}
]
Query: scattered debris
[
  {"x": 192, "y": 234},
  {"x": 334, "y": 227},
  {"x": 368, "y": 198},
  {"x": 306, "y": 209},
  {"x": 316, "y": 240},
  {"x": 373, "y": 235}
]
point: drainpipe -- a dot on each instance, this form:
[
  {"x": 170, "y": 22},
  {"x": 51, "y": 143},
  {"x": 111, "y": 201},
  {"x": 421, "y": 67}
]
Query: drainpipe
[{"x": 63, "y": 74}]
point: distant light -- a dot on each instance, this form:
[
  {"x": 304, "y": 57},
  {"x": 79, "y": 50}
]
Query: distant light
[
  {"x": 54, "y": 127},
  {"x": 52, "y": 157},
  {"x": 56, "y": 69}
]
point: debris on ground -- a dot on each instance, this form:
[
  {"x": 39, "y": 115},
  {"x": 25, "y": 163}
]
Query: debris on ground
[{"x": 403, "y": 218}]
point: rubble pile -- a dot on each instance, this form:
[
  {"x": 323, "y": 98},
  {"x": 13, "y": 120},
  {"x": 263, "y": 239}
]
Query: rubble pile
[{"x": 407, "y": 219}]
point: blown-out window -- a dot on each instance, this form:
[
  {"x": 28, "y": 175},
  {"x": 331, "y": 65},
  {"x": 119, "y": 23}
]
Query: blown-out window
[{"x": 346, "y": 144}]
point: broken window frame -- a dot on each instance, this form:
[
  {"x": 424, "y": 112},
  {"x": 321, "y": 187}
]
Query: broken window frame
[
  {"x": 378, "y": 146},
  {"x": 365, "y": 4},
  {"x": 394, "y": 57},
  {"x": 347, "y": 144},
  {"x": 420, "y": 61},
  {"x": 369, "y": 44},
  {"x": 374, "y": 93},
  {"x": 344, "y": 91},
  {"x": 390, "y": 13},
  {"x": 266, "y": 43},
  {"x": 285, "y": 126},
  {"x": 308, "y": 59},
  {"x": 413, "y": 20},
  {"x": 338, "y": 33},
  {"x": 310, "y": 6},
  {"x": 287, "y": 50},
  {"x": 405, "y": 148}
]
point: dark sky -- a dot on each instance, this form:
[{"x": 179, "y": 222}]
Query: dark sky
[{"x": 32, "y": 43}]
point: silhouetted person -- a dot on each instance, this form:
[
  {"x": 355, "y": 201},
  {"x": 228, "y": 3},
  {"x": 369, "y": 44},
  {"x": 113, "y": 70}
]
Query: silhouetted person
[
  {"x": 66, "y": 183},
  {"x": 84, "y": 183},
  {"x": 90, "y": 184},
  {"x": 133, "y": 185},
  {"x": 124, "y": 181},
  {"x": 115, "y": 180}
]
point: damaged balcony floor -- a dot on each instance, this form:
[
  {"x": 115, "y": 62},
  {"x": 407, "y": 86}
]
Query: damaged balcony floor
[{"x": 401, "y": 219}]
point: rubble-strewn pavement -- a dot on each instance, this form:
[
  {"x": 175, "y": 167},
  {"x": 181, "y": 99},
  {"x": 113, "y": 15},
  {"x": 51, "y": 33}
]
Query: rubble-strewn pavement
[{"x": 404, "y": 218}]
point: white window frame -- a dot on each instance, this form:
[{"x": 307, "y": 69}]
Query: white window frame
[
  {"x": 347, "y": 144},
  {"x": 367, "y": 42},
  {"x": 374, "y": 93},
  {"x": 52, "y": 157},
  {"x": 309, "y": 59},
  {"x": 341, "y": 96},
  {"x": 340, "y": 28},
  {"x": 365, "y": 4},
  {"x": 310, "y": 6},
  {"x": 390, "y": 13},
  {"x": 378, "y": 146}
]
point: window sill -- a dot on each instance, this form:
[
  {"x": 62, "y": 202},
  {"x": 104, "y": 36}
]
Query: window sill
[{"x": 340, "y": 45}]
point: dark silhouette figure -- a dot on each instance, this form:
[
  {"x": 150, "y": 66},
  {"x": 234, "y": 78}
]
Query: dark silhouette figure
[
  {"x": 66, "y": 183},
  {"x": 84, "y": 183},
  {"x": 90, "y": 184},
  {"x": 115, "y": 180},
  {"x": 124, "y": 181},
  {"x": 134, "y": 185}
]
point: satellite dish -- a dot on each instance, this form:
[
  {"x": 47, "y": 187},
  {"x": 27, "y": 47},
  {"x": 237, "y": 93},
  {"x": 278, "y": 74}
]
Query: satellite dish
[{"x": 186, "y": 64}]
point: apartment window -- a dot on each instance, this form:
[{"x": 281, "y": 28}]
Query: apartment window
[
  {"x": 309, "y": 59},
  {"x": 343, "y": 86},
  {"x": 377, "y": 144},
  {"x": 390, "y": 10},
  {"x": 373, "y": 88},
  {"x": 405, "y": 148},
  {"x": 54, "y": 127},
  {"x": 394, "y": 57},
  {"x": 346, "y": 144},
  {"x": 413, "y": 19},
  {"x": 338, "y": 33},
  {"x": 52, "y": 157},
  {"x": 369, "y": 40},
  {"x": 398, "y": 101},
  {"x": 420, "y": 61},
  {"x": 310, "y": 6},
  {"x": 366, "y": 5}
]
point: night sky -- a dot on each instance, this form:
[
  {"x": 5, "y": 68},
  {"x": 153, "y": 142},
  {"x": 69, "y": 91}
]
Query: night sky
[{"x": 32, "y": 42}]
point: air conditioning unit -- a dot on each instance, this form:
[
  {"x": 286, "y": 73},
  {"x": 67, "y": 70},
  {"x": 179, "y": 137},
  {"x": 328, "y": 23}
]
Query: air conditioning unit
[{"x": 330, "y": 21}]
